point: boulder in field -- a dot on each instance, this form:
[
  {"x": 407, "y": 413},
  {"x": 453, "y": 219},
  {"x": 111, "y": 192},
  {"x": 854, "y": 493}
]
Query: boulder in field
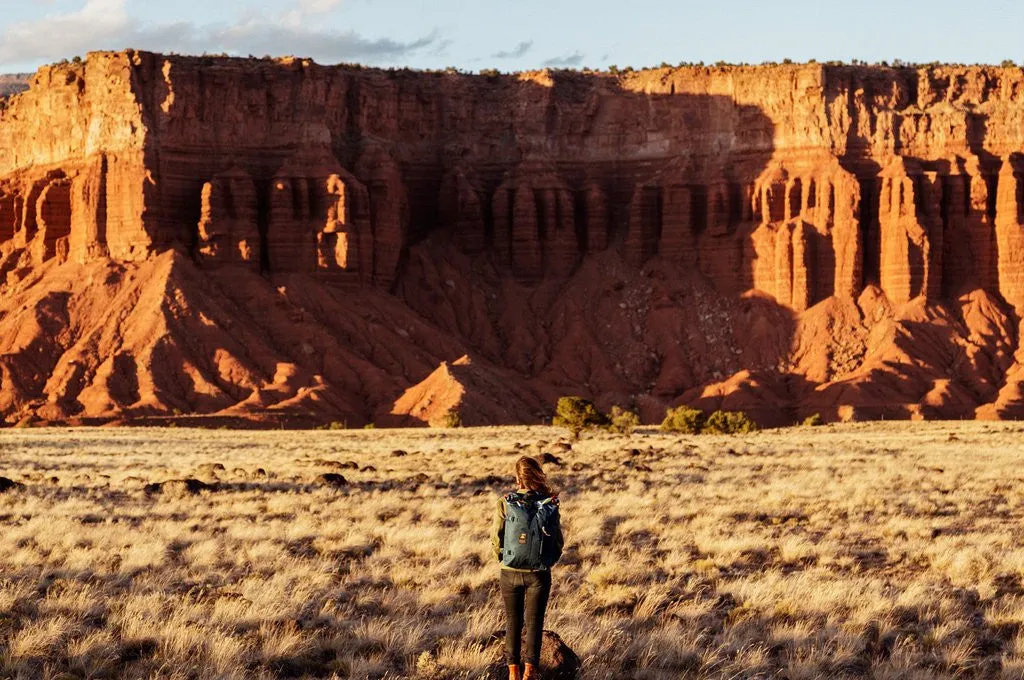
[
  {"x": 9, "y": 485},
  {"x": 179, "y": 487},
  {"x": 332, "y": 479},
  {"x": 557, "y": 660},
  {"x": 549, "y": 458}
]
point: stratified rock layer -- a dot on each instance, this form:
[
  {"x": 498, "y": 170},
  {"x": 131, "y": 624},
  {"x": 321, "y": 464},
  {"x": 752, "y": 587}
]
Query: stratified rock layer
[{"x": 250, "y": 237}]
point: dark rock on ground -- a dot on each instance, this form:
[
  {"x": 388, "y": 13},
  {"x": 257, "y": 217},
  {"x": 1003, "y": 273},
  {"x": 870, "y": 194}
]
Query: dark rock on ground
[
  {"x": 336, "y": 464},
  {"x": 332, "y": 479},
  {"x": 179, "y": 487},
  {"x": 9, "y": 485},
  {"x": 550, "y": 458},
  {"x": 557, "y": 660}
]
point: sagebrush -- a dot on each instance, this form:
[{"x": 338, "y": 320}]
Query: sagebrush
[{"x": 880, "y": 550}]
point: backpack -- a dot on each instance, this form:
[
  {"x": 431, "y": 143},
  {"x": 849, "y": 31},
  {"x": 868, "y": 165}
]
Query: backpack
[{"x": 530, "y": 525}]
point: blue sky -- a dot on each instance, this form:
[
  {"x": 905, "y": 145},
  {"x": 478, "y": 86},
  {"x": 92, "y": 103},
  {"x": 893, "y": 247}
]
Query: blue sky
[{"x": 518, "y": 34}]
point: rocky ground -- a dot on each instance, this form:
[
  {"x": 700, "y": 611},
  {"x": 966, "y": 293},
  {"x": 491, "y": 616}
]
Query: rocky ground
[{"x": 884, "y": 550}]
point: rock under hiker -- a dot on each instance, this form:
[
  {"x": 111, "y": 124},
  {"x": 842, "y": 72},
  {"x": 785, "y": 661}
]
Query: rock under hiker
[{"x": 527, "y": 540}]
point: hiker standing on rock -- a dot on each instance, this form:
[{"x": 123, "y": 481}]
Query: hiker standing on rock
[{"x": 527, "y": 540}]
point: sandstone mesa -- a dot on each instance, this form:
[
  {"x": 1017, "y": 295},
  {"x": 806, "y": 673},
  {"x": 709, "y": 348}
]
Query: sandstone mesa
[{"x": 267, "y": 240}]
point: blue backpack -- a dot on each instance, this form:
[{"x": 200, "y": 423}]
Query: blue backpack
[{"x": 530, "y": 525}]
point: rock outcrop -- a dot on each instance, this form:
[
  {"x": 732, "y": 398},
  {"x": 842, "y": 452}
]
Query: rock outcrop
[
  {"x": 557, "y": 660},
  {"x": 246, "y": 238},
  {"x": 466, "y": 393}
]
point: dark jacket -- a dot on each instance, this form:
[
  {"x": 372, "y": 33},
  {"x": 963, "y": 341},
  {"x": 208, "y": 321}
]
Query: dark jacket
[{"x": 498, "y": 527}]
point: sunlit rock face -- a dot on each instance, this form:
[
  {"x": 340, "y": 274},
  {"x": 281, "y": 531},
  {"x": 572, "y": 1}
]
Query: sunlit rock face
[{"x": 781, "y": 239}]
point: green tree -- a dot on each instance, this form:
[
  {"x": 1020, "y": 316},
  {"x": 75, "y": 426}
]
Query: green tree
[
  {"x": 623, "y": 421},
  {"x": 729, "y": 422},
  {"x": 452, "y": 418},
  {"x": 814, "y": 420},
  {"x": 577, "y": 414},
  {"x": 683, "y": 419}
]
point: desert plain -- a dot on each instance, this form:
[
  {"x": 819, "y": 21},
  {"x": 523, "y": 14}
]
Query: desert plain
[{"x": 881, "y": 550}]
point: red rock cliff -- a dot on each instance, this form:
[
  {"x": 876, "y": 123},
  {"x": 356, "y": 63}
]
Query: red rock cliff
[{"x": 780, "y": 239}]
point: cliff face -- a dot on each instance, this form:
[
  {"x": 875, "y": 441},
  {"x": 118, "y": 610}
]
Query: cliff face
[{"x": 780, "y": 239}]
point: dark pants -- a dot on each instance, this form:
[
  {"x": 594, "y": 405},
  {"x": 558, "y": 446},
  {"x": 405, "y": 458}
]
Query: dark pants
[{"x": 526, "y": 597}]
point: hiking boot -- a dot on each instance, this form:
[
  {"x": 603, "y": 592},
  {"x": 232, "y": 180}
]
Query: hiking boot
[
  {"x": 531, "y": 672},
  {"x": 513, "y": 673}
]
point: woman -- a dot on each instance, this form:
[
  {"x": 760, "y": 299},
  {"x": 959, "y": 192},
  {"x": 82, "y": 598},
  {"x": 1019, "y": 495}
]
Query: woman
[{"x": 527, "y": 540}]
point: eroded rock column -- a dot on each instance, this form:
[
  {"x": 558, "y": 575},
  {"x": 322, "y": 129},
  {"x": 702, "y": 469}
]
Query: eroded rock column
[
  {"x": 389, "y": 212},
  {"x": 228, "y": 225},
  {"x": 1010, "y": 234},
  {"x": 53, "y": 221},
  {"x": 905, "y": 249}
]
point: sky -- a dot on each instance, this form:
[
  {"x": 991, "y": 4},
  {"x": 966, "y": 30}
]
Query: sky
[{"x": 518, "y": 34}]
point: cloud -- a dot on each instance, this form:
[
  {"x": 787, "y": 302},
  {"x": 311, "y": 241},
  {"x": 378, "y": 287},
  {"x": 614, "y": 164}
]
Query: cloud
[
  {"x": 318, "y": 6},
  {"x": 516, "y": 52},
  {"x": 308, "y": 8},
  {"x": 440, "y": 48},
  {"x": 574, "y": 59},
  {"x": 107, "y": 25}
]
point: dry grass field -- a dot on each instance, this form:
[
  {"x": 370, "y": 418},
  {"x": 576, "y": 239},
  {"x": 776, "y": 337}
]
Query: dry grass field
[{"x": 875, "y": 550}]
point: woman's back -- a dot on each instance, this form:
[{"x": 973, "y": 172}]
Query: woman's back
[{"x": 527, "y": 539}]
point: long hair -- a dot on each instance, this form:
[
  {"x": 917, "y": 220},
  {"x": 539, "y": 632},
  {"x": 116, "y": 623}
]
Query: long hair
[{"x": 530, "y": 475}]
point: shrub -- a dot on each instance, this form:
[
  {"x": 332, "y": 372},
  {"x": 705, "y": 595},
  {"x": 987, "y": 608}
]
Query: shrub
[
  {"x": 335, "y": 425},
  {"x": 451, "y": 419},
  {"x": 623, "y": 421},
  {"x": 577, "y": 414},
  {"x": 729, "y": 422},
  {"x": 814, "y": 420},
  {"x": 370, "y": 426},
  {"x": 683, "y": 419}
]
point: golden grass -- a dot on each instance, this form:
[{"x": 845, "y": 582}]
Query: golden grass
[{"x": 881, "y": 550}]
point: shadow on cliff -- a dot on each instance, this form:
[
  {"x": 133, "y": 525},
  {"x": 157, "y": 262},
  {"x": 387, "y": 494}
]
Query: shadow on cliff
[
  {"x": 583, "y": 233},
  {"x": 608, "y": 247},
  {"x": 634, "y": 238}
]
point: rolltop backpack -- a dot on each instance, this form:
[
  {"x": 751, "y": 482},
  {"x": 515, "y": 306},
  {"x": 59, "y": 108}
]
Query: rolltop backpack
[{"x": 530, "y": 527}]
